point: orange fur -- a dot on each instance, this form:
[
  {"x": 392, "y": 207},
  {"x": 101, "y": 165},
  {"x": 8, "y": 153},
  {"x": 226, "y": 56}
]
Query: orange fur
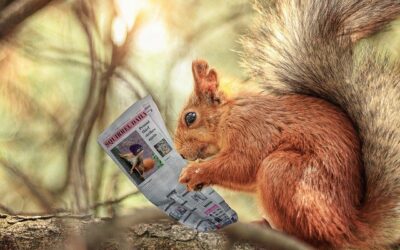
[{"x": 299, "y": 154}]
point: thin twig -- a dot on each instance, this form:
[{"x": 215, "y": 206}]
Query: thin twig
[
  {"x": 115, "y": 201},
  {"x": 59, "y": 132},
  {"x": 66, "y": 59},
  {"x": 128, "y": 85},
  {"x": 99, "y": 175},
  {"x": 16, "y": 12},
  {"x": 4, "y": 3},
  {"x": 33, "y": 217},
  {"x": 114, "y": 188},
  {"x": 36, "y": 191},
  {"x": 79, "y": 59},
  {"x": 140, "y": 79},
  {"x": 77, "y": 148},
  {"x": 96, "y": 100},
  {"x": 6, "y": 210}
]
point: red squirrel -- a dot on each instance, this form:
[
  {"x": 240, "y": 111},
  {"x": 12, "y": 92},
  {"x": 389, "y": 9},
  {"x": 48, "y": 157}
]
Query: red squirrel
[{"x": 321, "y": 146}]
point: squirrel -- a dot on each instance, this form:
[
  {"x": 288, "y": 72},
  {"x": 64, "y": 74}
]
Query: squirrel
[
  {"x": 320, "y": 145},
  {"x": 135, "y": 157}
]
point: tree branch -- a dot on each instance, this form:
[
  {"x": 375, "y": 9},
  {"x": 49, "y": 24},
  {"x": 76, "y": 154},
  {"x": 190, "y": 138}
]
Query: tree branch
[
  {"x": 115, "y": 201},
  {"x": 16, "y": 12},
  {"x": 6, "y": 209},
  {"x": 37, "y": 192},
  {"x": 95, "y": 103},
  {"x": 146, "y": 228},
  {"x": 4, "y": 3}
]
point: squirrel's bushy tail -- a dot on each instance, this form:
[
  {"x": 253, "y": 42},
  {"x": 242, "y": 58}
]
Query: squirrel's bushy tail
[{"x": 307, "y": 47}]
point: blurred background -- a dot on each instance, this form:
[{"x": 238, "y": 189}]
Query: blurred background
[{"x": 74, "y": 66}]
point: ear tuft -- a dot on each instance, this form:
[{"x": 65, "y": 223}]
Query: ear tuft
[
  {"x": 212, "y": 78},
  {"x": 205, "y": 81},
  {"x": 199, "y": 68}
]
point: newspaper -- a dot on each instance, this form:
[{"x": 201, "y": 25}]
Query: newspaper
[{"x": 139, "y": 143}]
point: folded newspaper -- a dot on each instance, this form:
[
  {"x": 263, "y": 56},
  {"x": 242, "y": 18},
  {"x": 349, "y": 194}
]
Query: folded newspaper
[{"x": 140, "y": 145}]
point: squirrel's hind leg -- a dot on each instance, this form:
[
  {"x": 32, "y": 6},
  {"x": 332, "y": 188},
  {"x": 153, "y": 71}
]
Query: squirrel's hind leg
[{"x": 299, "y": 198}]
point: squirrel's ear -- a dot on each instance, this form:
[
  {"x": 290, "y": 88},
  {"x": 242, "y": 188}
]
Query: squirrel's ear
[{"x": 205, "y": 81}]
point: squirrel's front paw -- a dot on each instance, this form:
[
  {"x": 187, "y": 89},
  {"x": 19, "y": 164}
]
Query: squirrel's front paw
[{"x": 194, "y": 177}]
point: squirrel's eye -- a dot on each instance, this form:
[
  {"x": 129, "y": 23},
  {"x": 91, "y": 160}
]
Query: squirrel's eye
[{"x": 190, "y": 118}]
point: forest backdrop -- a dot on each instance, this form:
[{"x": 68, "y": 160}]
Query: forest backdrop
[{"x": 72, "y": 67}]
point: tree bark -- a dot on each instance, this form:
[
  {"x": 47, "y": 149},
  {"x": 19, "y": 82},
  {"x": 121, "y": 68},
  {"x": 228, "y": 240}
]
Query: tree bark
[{"x": 71, "y": 232}]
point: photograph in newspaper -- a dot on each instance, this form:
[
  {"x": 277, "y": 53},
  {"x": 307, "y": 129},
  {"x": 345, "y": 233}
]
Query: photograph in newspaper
[
  {"x": 162, "y": 147},
  {"x": 136, "y": 157}
]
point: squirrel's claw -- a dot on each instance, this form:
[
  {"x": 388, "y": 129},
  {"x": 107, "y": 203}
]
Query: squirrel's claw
[{"x": 192, "y": 177}]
